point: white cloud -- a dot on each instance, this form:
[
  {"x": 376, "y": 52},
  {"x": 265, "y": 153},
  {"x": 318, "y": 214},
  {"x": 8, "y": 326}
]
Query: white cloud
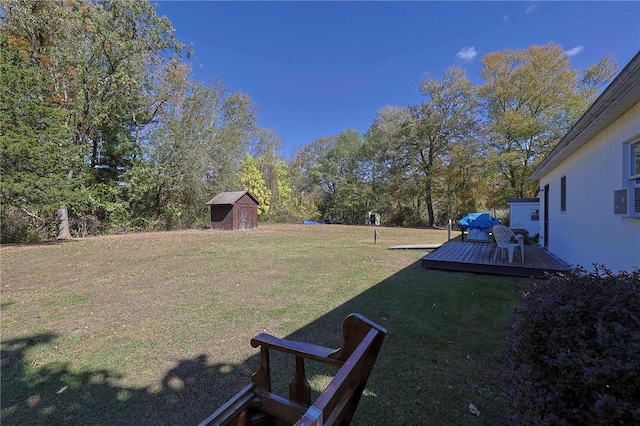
[
  {"x": 574, "y": 51},
  {"x": 467, "y": 53},
  {"x": 532, "y": 6}
]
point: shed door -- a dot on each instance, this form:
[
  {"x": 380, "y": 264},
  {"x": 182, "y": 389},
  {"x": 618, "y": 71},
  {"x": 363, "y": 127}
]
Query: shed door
[{"x": 245, "y": 218}]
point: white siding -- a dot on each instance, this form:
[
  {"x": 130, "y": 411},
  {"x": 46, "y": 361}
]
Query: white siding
[
  {"x": 520, "y": 212},
  {"x": 588, "y": 232}
]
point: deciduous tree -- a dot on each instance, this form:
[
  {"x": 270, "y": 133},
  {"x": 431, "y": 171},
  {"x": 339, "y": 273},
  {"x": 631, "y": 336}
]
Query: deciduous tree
[
  {"x": 532, "y": 97},
  {"x": 102, "y": 58},
  {"x": 194, "y": 149},
  {"x": 252, "y": 179},
  {"x": 447, "y": 117}
]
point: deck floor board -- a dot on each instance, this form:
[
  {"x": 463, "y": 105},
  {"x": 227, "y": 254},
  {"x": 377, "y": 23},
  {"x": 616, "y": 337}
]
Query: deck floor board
[{"x": 478, "y": 257}]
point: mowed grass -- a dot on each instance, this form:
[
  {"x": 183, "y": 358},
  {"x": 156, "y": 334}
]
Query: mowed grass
[{"x": 154, "y": 328}]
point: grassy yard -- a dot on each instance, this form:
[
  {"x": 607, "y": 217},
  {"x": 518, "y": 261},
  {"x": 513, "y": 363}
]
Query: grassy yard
[{"x": 154, "y": 328}]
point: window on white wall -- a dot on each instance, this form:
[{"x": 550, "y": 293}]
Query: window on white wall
[
  {"x": 535, "y": 214},
  {"x": 634, "y": 179}
]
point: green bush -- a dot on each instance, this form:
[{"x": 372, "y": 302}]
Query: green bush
[{"x": 574, "y": 351}]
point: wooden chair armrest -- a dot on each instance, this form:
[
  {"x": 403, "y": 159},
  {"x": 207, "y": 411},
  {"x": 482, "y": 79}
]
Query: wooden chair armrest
[{"x": 301, "y": 349}]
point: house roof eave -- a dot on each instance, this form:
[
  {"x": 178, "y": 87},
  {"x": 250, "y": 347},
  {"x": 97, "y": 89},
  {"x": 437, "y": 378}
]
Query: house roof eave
[{"x": 621, "y": 95}]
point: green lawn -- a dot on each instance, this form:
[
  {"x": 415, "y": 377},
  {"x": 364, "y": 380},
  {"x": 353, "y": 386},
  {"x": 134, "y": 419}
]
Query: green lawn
[{"x": 154, "y": 328}]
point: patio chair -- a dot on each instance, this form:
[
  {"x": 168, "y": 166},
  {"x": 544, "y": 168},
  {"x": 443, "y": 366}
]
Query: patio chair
[{"x": 506, "y": 239}]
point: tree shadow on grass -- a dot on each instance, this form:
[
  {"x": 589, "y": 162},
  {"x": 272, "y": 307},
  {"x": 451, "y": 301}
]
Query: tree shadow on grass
[
  {"x": 437, "y": 358},
  {"x": 57, "y": 394}
]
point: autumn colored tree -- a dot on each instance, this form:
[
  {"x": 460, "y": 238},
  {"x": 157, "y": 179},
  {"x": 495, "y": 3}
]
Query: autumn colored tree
[
  {"x": 264, "y": 147},
  {"x": 531, "y": 98},
  {"x": 284, "y": 208},
  {"x": 252, "y": 179}
]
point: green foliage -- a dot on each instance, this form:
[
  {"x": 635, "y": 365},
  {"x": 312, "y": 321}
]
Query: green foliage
[
  {"x": 36, "y": 154},
  {"x": 448, "y": 118},
  {"x": 330, "y": 172},
  {"x": 341, "y": 174},
  {"x": 459, "y": 188},
  {"x": 98, "y": 63},
  {"x": 419, "y": 149},
  {"x": 194, "y": 153},
  {"x": 283, "y": 203},
  {"x": 285, "y": 191},
  {"x": 304, "y": 174},
  {"x": 575, "y": 350},
  {"x": 99, "y": 114},
  {"x": 467, "y": 148},
  {"x": 252, "y": 180},
  {"x": 264, "y": 147},
  {"x": 532, "y": 98},
  {"x": 98, "y": 209}
]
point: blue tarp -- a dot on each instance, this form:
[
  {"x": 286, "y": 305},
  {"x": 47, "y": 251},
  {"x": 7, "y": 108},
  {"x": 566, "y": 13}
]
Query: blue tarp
[
  {"x": 481, "y": 221},
  {"x": 311, "y": 222}
]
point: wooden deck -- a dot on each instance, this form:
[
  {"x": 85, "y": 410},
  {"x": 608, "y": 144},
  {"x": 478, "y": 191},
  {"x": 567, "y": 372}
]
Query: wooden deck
[{"x": 478, "y": 258}]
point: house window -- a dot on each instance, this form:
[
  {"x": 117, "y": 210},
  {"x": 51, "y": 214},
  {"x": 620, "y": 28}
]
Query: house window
[
  {"x": 563, "y": 194},
  {"x": 535, "y": 214},
  {"x": 635, "y": 159},
  {"x": 634, "y": 179}
]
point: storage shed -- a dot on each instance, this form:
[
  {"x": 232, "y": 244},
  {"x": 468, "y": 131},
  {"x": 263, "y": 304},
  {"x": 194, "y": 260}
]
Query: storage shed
[
  {"x": 234, "y": 210},
  {"x": 525, "y": 212}
]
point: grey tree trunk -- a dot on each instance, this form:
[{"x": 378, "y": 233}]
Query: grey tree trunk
[{"x": 63, "y": 224}]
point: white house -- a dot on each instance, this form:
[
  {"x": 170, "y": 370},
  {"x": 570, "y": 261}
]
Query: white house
[
  {"x": 590, "y": 182},
  {"x": 525, "y": 212}
]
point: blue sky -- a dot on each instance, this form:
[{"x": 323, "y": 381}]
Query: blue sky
[{"x": 317, "y": 68}]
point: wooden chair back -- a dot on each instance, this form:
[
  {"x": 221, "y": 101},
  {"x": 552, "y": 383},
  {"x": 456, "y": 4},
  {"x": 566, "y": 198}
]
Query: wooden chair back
[{"x": 336, "y": 405}]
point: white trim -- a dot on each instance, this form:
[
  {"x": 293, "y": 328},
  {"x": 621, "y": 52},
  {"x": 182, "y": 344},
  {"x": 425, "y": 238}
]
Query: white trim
[{"x": 630, "y": 181}]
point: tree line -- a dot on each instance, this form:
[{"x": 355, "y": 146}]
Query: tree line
[{"x": 103, "y": 125}]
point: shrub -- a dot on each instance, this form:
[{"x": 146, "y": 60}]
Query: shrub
[
  {"x": 20, "y": 226},
  {"x": 574, "y": 351}
]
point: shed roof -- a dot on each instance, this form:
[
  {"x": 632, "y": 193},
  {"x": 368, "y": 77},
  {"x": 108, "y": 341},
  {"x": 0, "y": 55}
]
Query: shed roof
[
  {"x": 622, "y": 94},
  {"x": 230, "y": 198}
]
